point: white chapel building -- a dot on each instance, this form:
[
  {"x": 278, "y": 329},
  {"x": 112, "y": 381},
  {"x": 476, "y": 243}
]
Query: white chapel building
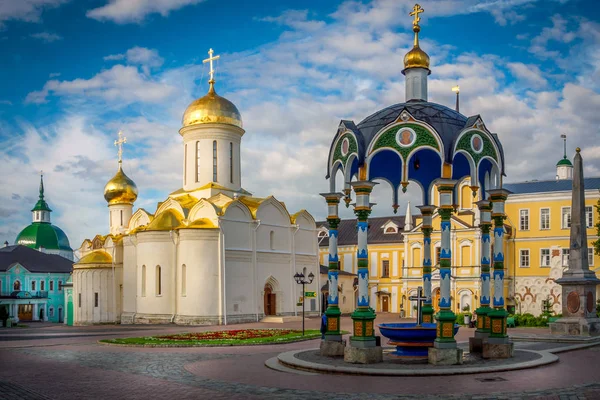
[{"x": 211, "y": 253}]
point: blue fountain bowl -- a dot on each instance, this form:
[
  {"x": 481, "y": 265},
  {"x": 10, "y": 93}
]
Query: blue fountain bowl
[{"x": 411, "y": 341}]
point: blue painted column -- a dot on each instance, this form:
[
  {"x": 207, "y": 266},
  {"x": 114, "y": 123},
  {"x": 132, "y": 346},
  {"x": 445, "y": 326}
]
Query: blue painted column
[
  {"x": 485, "y": 224},
  {"x": 445, "y": 317},
  {"x": 427, "y": 228},
  {"x": 498, "y": 314},
  {"x": 364, "y": 316},
  {"x": 333, "y": 310}
]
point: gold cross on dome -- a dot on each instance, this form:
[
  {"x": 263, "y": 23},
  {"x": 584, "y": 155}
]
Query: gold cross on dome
[
  {"x": 417, "y": 9},
  {"x": 119, "y": 143},
  {"x": 210, "y": 60}
]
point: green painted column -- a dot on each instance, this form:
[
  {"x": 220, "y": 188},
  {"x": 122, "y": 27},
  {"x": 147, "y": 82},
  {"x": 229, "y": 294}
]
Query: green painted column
[
  {"x": 427, "y": 228},
  {"x": 485, "y": 224},
  {"x": 364, "y": 316},
  {"x": 333, "y": 310},
  {"x": 445, "y": 317}
]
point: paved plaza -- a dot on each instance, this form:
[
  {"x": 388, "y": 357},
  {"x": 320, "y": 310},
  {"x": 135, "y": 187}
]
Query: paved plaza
[{"x": 47, "y": 361}]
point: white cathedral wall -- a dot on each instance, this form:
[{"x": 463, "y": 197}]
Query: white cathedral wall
[
  {"x": 242, "y": 291},
  {"x": 155, "y": 248},
  {"x": 90, "y": 281},
  {"x": 199, "y": 251},
  {"x": 129, "y": 281}
]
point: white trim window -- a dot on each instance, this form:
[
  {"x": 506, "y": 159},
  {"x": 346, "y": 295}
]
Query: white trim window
[
  {"x": 545, "y": 257},
  {"x": 589, "y": 217},
  {"x": 590, "y": 256},
  {"x": 565, "y": 217},
  {"x": 544, "y": 218},
  {"x": 524, "y": 257},
  {"x": 565, "y": 257},
  {"x": 524, "y": 220}
]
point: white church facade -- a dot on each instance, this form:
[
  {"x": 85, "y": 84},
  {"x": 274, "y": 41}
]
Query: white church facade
[{"x": 211, "y": 253}]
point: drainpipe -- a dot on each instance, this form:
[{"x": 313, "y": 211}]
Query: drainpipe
[
  {"x": 173, "y": 236},
  {"x": 254, "y": 266}
]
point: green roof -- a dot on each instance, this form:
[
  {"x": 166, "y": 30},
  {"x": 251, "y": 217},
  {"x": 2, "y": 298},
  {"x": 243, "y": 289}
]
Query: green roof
[
  {"x": 43, "y": 234},
  {"x": 564, "y": 161}
]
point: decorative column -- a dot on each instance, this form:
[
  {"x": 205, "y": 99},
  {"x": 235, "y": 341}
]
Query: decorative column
[
  {"x": 333, "y": 310},
  {"x": 363, "y": 317},
  {"x": 445, "y": 317},
  {"x": 427, "y": 228},
  {"x": 498, "y": 315},
  {"x": 485, "y": 224}
]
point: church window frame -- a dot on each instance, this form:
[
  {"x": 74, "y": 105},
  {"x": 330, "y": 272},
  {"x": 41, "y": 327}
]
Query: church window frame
[
  {"x": 51, "y": 286},
  {"x": 589, "y": 216},
  {"x": 79, "y": 300},
  {"x": 544, "y": 257},
  {"x": 96, "y": 299},
  {"x": 42, "y": 285},
  {"x": 198, "y": 161},
  {"x": 17, "y": 285},
  {"x": 524, "y": 258},
  {"x": 565, "y": 213},
  {"x": 158, "y": 280},
  {"x": 183, "y": 280},
  {"x": 524, "y": 219},
  {"x": 60, "y": 288},
  {"x": 51, "y": 312},
  {"x": 121, "y": 212},
  {"x": 544, "y": 219},
  {"x": 385, "y": 268},
  {"x": 272, "y": 240},
  {"x": 33, "y": 286},
  {"x": 215, "y": 160},
  {"x": 143, "y": 281},
  {"x": 230, "y": 162}
]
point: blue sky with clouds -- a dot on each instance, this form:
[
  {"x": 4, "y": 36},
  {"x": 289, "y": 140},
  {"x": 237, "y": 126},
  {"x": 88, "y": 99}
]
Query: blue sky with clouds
[{"x": 75, "y": 72}]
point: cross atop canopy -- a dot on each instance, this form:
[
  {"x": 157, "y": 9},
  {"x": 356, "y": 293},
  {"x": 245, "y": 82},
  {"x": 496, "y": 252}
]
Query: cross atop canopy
[
  {"x": 210, "y": 60},
  {"x": 119, "y": 143},
  {"x": 417, "y": 9}
]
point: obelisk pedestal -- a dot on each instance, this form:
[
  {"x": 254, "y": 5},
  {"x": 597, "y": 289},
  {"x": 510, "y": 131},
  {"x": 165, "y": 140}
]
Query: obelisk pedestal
[{"x": 578, "y": 282}]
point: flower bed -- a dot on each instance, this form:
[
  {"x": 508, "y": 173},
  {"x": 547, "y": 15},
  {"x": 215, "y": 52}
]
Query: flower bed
[{"x": 237, "y": 337}]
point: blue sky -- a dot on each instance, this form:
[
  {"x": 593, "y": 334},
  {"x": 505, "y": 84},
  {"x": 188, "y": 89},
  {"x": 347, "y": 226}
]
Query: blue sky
[{"x": 75, "y": 72}]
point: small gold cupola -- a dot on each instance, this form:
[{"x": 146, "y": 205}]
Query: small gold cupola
[
  {"x": 416, "y": 58},
  {"x": 120, "y": 189}
]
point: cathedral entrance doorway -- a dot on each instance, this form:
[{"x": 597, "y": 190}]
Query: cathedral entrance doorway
[{"x": 270, "y": 303}]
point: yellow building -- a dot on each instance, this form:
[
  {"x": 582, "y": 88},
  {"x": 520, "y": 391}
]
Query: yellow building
[{"x": 537, "y": 237}]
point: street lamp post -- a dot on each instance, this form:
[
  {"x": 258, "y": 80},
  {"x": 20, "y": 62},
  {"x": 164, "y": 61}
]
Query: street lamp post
[{"x": 299, "y": 277}]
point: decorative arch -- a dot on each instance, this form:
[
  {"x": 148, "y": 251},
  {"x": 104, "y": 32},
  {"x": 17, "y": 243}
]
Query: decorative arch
[
  {"x": 304, "y": 220},
  {"x": 426, "y": 136},
  {"x": 272, "y": 202},
  {"x": 204, "y": 209},
  {"x": 238, "y": 211},
  {"x": 171, "y": 204},
  {"x": 337, "y": 166},
  {"x": 139, "y": 218},
  {"x": 342, "y": 151}
]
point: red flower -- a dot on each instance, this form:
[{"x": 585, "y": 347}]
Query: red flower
[{"x": 239, "y": 334}]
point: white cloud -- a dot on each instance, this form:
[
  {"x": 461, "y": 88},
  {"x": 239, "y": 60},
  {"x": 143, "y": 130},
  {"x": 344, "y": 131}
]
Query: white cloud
[
  {"x": 127, "y": 11},
  {"x": 558, "y": 32},
  {"x": 529, "y": 73},
  {"x": 120, "y": 83},
  {"x": 47, "y": 37},
  {"x": 6, "y": 102},
  {"x": 25, "y": 10},
  {"x": 147, "y": 58}
]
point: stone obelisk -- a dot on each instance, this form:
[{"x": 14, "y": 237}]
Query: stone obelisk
[{"x": 578, "y": 282}]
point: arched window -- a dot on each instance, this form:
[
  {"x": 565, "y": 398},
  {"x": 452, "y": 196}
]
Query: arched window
[
  {"x": 183, "y": 280},
  {"x": 214, "y": 160},
  {"x": 121, "y": 217},
  {"x": 323, "y": 234},
  {"x": 272, "y": 240},
  {"x": 17, "y": 285},
  {"x": 33, "y": 286},
  {"x": 231, "y": 162},
  {"x": 158, "y": 281},
  {"x": 51, "y": 312},
  {"x": 143, "y": 280},
  {"x": 197, "y": 161}
]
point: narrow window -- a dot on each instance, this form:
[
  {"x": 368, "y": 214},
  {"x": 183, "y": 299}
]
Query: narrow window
[
  {"x": 78, "y": 300},
  {"x": 158, "y": 281},
  {"x": 272, "y": 240},
  {"x": 33, "y": 286},
  {"x": 385, "y": 268},
  {"x": 545, "y": 218},
  {"x": 524, "y": 220},
  {"x": 197, "y": 161},
  {"x": 183, "y": 280},
  {"x": 51, "y": 312},
  {"x": 121, "y": 217},
  {"x": 17, "y": 285},
  {"x": 589, "y": 217},
  {"x": 590, "y": 256},
  {"x": 42, "y": 285},
  {"x": 185, "y": 163},
  {"x": 96, "y": 299},
  {"x": 566, "y": 217},
  {"x": 545, "y": 261},
  {"x": 565, "y": 257},
  {"x": 231, "y": 162},
  {"x": 143, "y": 280},
  {"x": 59, "y": 285},
  {"x": 214, "y": 160},
  {"x": 51, "y": 285},
  {"x": 524, "y": 258}
]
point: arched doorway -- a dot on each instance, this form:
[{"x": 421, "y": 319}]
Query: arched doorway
[{"x": 270, "y": 301}]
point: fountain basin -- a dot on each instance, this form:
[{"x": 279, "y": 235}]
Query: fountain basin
[{"x": 412, "y": 341}]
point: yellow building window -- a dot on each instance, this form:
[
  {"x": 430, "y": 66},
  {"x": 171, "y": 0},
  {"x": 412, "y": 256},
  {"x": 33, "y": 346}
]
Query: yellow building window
[
  {"x": 524, "y": 256},
  {"x": 385, "y": 268},
  {"x": 524, "y": 220},
  {"x": 566, "y": 217},
  {"x": 545, "y": 257},
  {"x": 544, "y": 218}
]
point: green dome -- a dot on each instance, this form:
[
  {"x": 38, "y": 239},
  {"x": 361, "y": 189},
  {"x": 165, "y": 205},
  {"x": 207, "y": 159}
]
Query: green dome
[
  {"x": 42, "y": 234},
  {"x": 564, "y": 161}
]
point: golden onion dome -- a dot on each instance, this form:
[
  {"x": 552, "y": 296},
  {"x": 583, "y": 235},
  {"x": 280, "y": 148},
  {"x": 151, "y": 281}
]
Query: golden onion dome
[
  {"x": 416, "y": 58},
  {"x": 120, "y": 189},
  {"x": 212, "y": 109}
]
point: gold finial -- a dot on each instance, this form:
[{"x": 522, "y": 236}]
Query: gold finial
[
  {"x": 119, "y": 143},
  {"x": 210, "y": 60},
  {"x": 417, "y": 9},
  {"x": 578, "y": 149}
]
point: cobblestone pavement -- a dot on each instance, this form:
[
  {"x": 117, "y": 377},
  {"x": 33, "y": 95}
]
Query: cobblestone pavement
[{"x": 78, "y": 368}]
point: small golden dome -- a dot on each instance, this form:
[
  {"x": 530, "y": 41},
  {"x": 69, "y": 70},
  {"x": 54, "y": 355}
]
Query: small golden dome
[
  {"x": 212, "y": 109},
  {"x": 416, "y": 58},
  {"x": 120, "y": 189}
]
